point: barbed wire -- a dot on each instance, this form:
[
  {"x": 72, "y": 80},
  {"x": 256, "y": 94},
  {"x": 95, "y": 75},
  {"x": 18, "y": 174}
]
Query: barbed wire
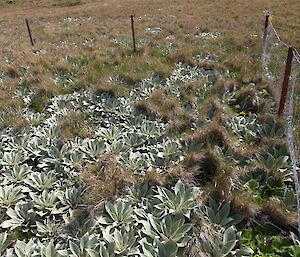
[
  {"x": 291, "y": 141},
  {"x": 296, "y": 55},
  {"x": 295, "y": 51},
  {"x": 277, "y": 35},
  {"x": 290, "y": 119}
]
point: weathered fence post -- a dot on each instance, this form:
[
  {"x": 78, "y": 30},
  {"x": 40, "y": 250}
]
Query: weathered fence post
[
  {"x": 265, "y": 42},
  {"x": 285, "y": 84},
  {"x": 133, "y": 34},
  {"x": 29, "y": 32}
]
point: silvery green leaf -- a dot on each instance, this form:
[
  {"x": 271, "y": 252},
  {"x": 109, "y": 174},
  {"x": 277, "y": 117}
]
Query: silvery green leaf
[
  {"x": 10, "y": 195},
  {"x": 47, "y": 229},
  {"x": 74, "y": 249},
  {"x": 17, "y": 174},
  {"x": 12, "y": 158},
  {"x": 229, "y": 241},
  {"x": 168, "y": 249},
  {"x": 182, "y": 201},
  {"x": 26, "y": 249},
  {"x": 41, "y": 181},
  {"x": 50, "y": 250},
  {"x": 71, "y": 196},
  {"x": 125, "y": 243},
  {"x": 244, "y": 251},
  {"x": 4, "y": 242},
  {"x": 120, "y": 213},
  {"x": 148, "y": 250},
  {"x": 224, "y": 211},
  {"x": 21, "y": 215}
]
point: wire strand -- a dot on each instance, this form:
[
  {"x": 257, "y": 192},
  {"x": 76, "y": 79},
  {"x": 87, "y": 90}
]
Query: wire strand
[
  {"x": 296, "y": 55},
  {"x": 291, "y": 146},
  {"x": 277, "y": 35},
  {"x": 290, "y": 127}
]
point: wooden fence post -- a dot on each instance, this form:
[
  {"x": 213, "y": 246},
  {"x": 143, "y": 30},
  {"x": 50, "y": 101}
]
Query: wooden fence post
[
  {"x": 265, "y": 37},
  {"x": 29, "y": 32},
  {"x": 133, "y": 34},
  {"x": 285, "y": 84}
]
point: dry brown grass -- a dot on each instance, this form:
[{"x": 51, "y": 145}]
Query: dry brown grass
[
  {"x": 212, "y": 134},
  {"x": 244, "y": 204},
  {"x": 73, "y": 125},
  {"x": 160, "y": 103},
  {"x": 103, "y": 21},
  {"x": 105, "y": 180},
  {"x": 280, "y": 216},
  {"x": 210, "y": 171}
]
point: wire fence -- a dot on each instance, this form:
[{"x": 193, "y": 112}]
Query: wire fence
[{"x": 281, "y": 69}]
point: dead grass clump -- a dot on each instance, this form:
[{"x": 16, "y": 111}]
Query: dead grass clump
[
  {"x": 213, "y": 134},
  {"x": 152, "y": 177},
  {"x": 105, "y": 180},
  {"x": 261, "y": 146},
  {"x": 161, "y": 104},
  {"x": 188, "y": 91},
  {"x": 269, "y": 143},
  {"x": 203, "y": 167},
  {"x": 246, "y": 99},
  {"x": 179, "y": 173},
  {"x": 181, "y": 122},
  {"x": 213, "y": 107},
  {"x": 14, "y": 120},
  {"x": 210, "y": 171},
  {"x": 271, "y": 119},
  {"x": 184, "y": 54},
  {"x": 108, "y": 87},
  {"x": 8, "y": 99},
  {"x": 74, "y": 125},
  {"x": 221, "y": 188},
  {"x": 244, "y": 204},
  {"x": 280, "y": 216},
  {"x": 221, "y": 86}
]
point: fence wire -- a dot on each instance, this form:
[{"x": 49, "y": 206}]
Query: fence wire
[
  {"x": 274, "y": 58},
  {"x": 293, "y": 127}
]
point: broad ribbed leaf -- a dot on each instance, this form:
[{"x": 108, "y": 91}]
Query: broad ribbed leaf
[{"x": 229, "y": 241}]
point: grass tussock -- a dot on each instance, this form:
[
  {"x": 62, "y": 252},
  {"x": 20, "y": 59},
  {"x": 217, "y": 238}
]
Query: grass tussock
[
  {"x": 152, "y": 177},
  {"x": 86, "y": 45},
  {"x": 72, "y": 126},
  {"x": 212, "y": 134},
  {"x": 246, "y": 99},
  {"x": 159, "y": 103},
  {"x": 244, "y": 204},
  {"x": 203, "y": 166},
  {"x": 221, "y": 86},
  {"x": 279, "y": 216},
  {"x": 210, "y": 171},
  {"x": 105, "y": 180},
  {"x": 213, "y": 108}
]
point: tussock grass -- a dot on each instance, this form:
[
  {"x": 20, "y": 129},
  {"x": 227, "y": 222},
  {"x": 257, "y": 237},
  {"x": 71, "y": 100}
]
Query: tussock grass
[
  {"x": 213, "y": 134},
  {"x": 105, "y": 180},
  {"x": 244, "y": 204},
  {"x": 203, "y": 166},
  {"x": 72, "y": 126},
  {"x": 86, "y": 45},
  {"x": 160, "y": 103},
  {"x": 279, "y": 216}
]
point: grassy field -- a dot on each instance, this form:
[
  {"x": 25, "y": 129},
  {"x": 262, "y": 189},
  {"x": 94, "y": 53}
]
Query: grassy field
[
  {"x": 173, "y": 150},
  {"x": 61, "y": 27}
]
